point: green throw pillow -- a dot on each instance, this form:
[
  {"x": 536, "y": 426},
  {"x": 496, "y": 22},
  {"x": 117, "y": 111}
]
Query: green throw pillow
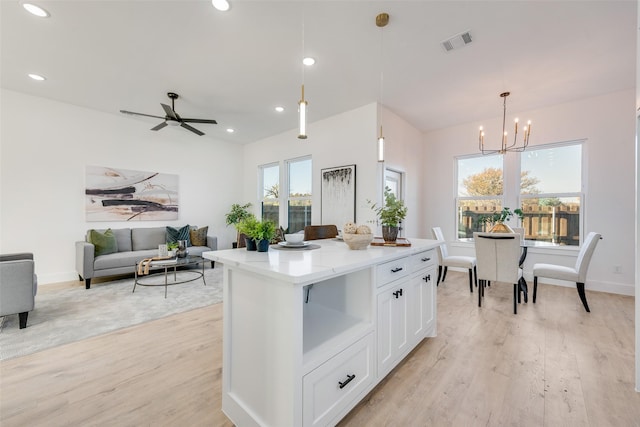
[
  {"x": 105, "y": 243},
  {"x": 199, "y": 236},
  {"x": 175, "y": 234}
]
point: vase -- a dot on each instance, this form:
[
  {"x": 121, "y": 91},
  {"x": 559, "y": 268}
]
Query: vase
[
  {"x": 250, "y": 244},
  {"x": 389, "y": 233},
  {"x": 262, "y": 245},
  {"x": 500, "y": 227},
  {"x": 182, "y": 249}
]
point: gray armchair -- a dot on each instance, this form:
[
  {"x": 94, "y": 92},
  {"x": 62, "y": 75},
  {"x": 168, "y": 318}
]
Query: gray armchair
[{"x": 18, "y": 285}]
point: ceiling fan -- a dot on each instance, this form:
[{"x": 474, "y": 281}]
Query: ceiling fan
[{"x": 172, "y": 118}]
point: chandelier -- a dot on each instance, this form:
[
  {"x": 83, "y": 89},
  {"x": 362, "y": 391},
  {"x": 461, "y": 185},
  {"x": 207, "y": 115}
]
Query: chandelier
[{"x": 505, "y": 146}]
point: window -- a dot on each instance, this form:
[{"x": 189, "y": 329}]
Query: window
[
  {"x": 551, "y": 193},
  {"x": 480, "y": 189},
  {"x": 269, "y": 191},
  {"x": 299, "y": 179}
]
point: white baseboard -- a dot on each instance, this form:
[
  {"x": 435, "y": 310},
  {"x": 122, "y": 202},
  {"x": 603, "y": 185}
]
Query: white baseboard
[
  {"x": 46, "y": 279},
  {"x": 590, "y": 285}
]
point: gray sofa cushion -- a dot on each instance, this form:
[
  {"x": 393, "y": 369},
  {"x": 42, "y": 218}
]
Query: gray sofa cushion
[
  {"x": 148, "y": 238},
  {"x": 122, "y": 259},
  {"x": 123, "y": 237}
]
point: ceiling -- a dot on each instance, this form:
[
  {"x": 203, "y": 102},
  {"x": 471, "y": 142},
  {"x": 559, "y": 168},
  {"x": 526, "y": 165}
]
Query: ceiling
[{"x": 236, "y": 66}]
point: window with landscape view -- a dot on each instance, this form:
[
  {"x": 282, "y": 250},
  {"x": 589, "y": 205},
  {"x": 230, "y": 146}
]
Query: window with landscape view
[
  {"x": 480, "y": 191},
  {"x": 552, "y": 201},
  {"x": 269, "y": 185},
  {"x": 299, "y": 195},
  {"x": 550, "y": 192}
]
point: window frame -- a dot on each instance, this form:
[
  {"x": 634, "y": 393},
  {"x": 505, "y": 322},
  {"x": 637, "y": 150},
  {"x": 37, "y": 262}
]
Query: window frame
[
  {"x": 287, "y": 199},
  {"x": 457, "y": 199},
  {"x": 580, "y": 194}
]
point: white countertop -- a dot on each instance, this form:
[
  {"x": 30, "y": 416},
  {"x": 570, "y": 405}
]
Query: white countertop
[{"x": 307, "y": 266}]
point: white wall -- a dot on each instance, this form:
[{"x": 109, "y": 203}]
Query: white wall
[
  {"x": 608, "y": 125},
  {"x": 344, "y": 139},
  {"x": 44, "y": 148},
  {"x": 404, "y": 152}
]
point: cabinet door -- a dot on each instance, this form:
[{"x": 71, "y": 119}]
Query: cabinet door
[
  {"x": 392, "y": 326},
  {"x": 421, "y": 309},
  {"x": 430, "y": 305}
]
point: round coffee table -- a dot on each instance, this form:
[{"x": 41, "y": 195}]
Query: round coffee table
[{"x": 165, "y": 267}]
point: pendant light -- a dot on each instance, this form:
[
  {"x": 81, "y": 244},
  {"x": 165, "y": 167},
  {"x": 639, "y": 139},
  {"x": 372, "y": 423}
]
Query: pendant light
[
  {"x": 381, "y": 21},
  {"x": 302, "y": 104}
]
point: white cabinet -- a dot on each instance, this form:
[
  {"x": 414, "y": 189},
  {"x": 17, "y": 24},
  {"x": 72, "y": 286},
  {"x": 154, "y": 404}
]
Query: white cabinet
[
  {"x": 392, "y": 325},
  {"x": 406, "y": 308},
  {"x": 307, "y": 334},
  {"x": 331, "y": 387}
]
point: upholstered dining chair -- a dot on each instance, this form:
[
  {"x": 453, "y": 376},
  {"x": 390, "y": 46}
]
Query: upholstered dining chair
[
  {"x": 498, "y": 256},
  {"x": 315, "y": 232},
  {"x": 577, "y": 274},
  {"x": 445, "y": 260},
  {"x": 18, "y": 285}
]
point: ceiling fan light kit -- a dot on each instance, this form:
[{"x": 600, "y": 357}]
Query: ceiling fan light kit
[{"x": 172, "y": 118}]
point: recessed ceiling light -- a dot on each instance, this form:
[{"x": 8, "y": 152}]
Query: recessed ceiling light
[
  {"x": 37, "y": 77},
  {"x": 308, "y": 61},
  {"x": 36, "y": 10},
  {"x": 221, "y": 5},
  {"x": 229, "y": 130},
  {"x": 279, "y": 109}
]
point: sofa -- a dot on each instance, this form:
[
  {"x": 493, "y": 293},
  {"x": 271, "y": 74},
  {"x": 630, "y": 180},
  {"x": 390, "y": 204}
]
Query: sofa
[
  {"x": 131, "y": 245},
  {"x": 18, "y": 285}
]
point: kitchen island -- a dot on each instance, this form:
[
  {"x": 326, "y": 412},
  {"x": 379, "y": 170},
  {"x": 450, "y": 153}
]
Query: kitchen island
[{"x": 308, "y": 333}]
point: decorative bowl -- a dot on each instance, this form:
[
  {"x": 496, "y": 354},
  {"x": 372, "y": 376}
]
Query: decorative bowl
[
  {"x": 357, "y": 241},
  {"x": 294, "y": 238}
]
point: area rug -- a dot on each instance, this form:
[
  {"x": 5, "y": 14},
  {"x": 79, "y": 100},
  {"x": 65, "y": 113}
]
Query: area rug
[{"x": 68, "y": 315}]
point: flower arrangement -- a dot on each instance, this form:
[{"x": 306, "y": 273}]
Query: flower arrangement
[{"x": 500, "y": 216}]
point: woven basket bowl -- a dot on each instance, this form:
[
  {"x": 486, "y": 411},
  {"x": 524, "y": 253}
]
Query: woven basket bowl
[{"x": 357, "y": 241}]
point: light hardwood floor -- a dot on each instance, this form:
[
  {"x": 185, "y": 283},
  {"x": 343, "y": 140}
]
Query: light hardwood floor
[{"x": 553, "y": 364}]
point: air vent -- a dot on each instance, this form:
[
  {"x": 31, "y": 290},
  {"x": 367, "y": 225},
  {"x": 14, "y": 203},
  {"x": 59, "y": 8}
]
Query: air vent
[{"x": 457, "y": 41}]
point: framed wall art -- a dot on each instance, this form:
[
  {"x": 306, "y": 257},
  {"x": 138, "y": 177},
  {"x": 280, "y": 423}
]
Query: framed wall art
[
  {"x": 338, "y": 195},
  {"x": 113, "y": 194}
]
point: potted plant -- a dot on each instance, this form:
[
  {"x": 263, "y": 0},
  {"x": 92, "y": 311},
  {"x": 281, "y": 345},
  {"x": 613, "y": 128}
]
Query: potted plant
[
  {"x": 236, "y": 214},
  {"x": 389, "y": 215},
  {"x": 264, "y": 232},
  {"x": 172, "y": 247},
  {"x": 247, "y": 227},
  {"x": 497, "y": 220}
]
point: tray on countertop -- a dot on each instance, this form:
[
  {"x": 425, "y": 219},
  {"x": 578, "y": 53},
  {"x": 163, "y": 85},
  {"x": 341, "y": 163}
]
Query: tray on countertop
[{"x": 400, "y": 241}]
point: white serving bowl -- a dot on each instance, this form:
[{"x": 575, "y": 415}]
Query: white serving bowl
[
  {"x": 357, "y": 241},
  {"x": 294, "y": 238}
]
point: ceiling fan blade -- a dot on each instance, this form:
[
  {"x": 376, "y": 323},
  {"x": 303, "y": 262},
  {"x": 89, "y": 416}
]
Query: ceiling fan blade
[
  {"x": 139, "y": 114},
  {"x": 170, "y": 112},
  {"x": 160, "y": 126},
  {"x": 192, "y": 129},
  {"x": 213, "y": 122}
]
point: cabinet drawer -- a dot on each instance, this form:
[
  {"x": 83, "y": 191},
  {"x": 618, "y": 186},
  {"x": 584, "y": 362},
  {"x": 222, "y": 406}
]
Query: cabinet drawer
[
  {"x": 331, "y": 387},
  {"x": 424, "y": 260},
  {"x": 392, "y": 270}
]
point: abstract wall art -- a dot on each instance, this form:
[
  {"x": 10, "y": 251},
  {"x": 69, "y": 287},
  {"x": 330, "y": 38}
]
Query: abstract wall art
[
  {"x": 338, "y": 195},
  {"x": 127, "y": 195}
]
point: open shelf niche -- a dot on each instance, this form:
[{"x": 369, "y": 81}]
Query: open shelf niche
[{"x": 336, "y": 311}]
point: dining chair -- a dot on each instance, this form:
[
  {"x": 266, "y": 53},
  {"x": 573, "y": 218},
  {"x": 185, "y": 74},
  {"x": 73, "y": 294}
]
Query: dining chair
[
  {"x": 498, "y": 256},
  {"x": 315, "y": 232},
  {"x": 445, "y": 260},
  {"x": 519, "y": 231},
  {"x": 577, "y": 274}
]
